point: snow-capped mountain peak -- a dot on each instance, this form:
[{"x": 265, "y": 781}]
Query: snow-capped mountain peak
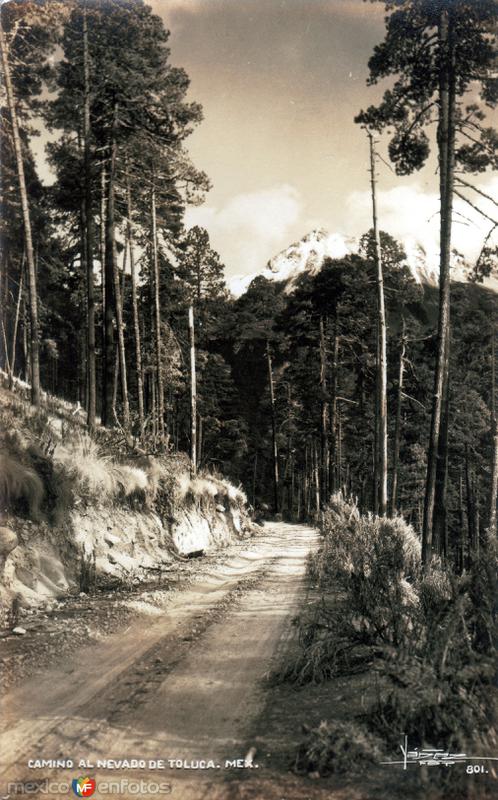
[{"x": 308, "y": 254}]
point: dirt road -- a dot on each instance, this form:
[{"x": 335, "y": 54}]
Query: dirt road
[{"x": 181, "y": 688}]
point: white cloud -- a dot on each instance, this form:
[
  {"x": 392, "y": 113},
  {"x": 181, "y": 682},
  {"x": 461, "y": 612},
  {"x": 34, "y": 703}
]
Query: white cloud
[
  {"x": 251, "y": 227},
  {"x": 412, "y": 215},
  {"x": 159, "y": 6}
]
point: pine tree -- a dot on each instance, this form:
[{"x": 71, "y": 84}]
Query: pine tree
[
  {"x": 437, "y": 50},
  {"x": 139, "y": 118}
]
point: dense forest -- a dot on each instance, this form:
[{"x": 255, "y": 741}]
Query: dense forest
[{"x": 357, "y": 378}]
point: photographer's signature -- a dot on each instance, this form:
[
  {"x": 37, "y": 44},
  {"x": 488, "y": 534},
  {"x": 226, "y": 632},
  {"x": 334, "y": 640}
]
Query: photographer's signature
[{"x": 436, "y": 756}]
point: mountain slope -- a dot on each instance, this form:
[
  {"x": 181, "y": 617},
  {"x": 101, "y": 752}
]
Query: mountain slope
[{"x": 308, "y": 254}]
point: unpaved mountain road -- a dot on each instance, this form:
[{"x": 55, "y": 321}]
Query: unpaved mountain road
[{"x": 183, "y": 686}]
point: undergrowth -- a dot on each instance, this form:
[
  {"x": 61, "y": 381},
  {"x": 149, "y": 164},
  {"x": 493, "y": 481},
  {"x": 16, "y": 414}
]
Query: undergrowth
[
  {"x": 427, "y": 637},
  {"x": 49, "y": 464}
]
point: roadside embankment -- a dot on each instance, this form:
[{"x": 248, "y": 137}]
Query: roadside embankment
[{"x": 81, "y": 513}]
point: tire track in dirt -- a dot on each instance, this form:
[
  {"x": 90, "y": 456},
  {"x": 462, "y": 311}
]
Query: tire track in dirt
[{"x": 187, "y": 693}]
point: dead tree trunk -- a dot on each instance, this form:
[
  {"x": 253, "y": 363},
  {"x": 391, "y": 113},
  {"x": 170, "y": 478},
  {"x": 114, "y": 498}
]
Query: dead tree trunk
[
  {"x": 382, "y": 338},
  {"x": 157, "y": 311},
  {"x": 316, "y": 475},
  {"x": 440, "y": 503},
  {"x": 397, "y": 425},
  {"x": 102, "y": 234},
  {"x": 16, "y": 327},
  {"x": 333, "y": 410},
  {"x": 254, "y": 476},
  {"x": 134, "y": 303},
  {"x": 460, "y": 554},
  {"x": 118, "y": 295},
  {"x": 273, "y": 428},
  {"x": 324, "y": 433},
  {"x": 88, "y": 225},
  {"x": 110, "y": 299},
  {"x": 494, "y": 435},
  {"x": 339, "y": 449},
  {"x": 28, "y": 239},
  {"x": 193, "y": 393}
]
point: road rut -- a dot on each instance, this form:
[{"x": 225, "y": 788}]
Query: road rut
[{"x": 184, "y": 688}]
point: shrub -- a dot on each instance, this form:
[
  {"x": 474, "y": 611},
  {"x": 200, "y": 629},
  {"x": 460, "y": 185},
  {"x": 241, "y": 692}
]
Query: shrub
[
  {"x": 430, "y": 636},
  {"x": 338, "y": 747}
]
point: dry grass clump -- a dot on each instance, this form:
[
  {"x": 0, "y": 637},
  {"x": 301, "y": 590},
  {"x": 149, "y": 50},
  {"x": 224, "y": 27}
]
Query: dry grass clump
[
  {"x": 91, "y": 470},
  {"x": 131, "y": 481},
  {"x": 49, "y": 463},
  {"x": 20, "y": 487},
  {"x": 235, "y": 494},
  {"x": 206, "y": 491},
  {"x": 336, "y": 748}
]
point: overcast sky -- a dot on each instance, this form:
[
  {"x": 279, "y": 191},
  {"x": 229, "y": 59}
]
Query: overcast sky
[{"x": 280, "y": 82}]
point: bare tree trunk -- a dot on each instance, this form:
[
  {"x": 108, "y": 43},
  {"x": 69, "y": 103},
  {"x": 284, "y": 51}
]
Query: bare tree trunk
[
  {"x": 157, "y": 312},
  {"x": 316, "y": 475},
  {"x": 300, "y": 493},
  {"x": 103, "y": 292},
  {"x": 16, "y": 325},
  {"x": 28, "y": 240},
  {"x": 121, "y": 342},
  {"x": 25, "y": 340},
  {"x": 397, "y": 425},
  {"x": 324, "y": 471},
  {"x": 193, "y": 393},
  {"x": 446, "y": 146},
  {"x": 274, "y": 429},
  {"x": 470, "y": 507},
  {"x": 88, "y": 225},
  {"x": 382, "y": 332},
  {"x": 339, "y": 448},
  {"x": 134, "y": 303},
  {"x": 292, "y": 487},
  {"x": 254, "y": 476},
  {"x": 477, "y": 531},
  {"x": 307, "y": 505},
  {"x": 84, "y": 326},
  {"x": 115, "y": 383},
  {"x": 110, "y": 299},
  {"x": 460, "y": 561},
  {"x": 494, "y": 434},
  {"x": 6, "y": 351},
  {"x": 333, "y": 410},
  {"x": 200, "y": 434},
  {"x": 153, "y": 389},
  {"x": 440, "y": 534}
]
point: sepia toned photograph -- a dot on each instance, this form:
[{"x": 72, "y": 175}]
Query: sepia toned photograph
[{"x": 248, "y": 399}]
